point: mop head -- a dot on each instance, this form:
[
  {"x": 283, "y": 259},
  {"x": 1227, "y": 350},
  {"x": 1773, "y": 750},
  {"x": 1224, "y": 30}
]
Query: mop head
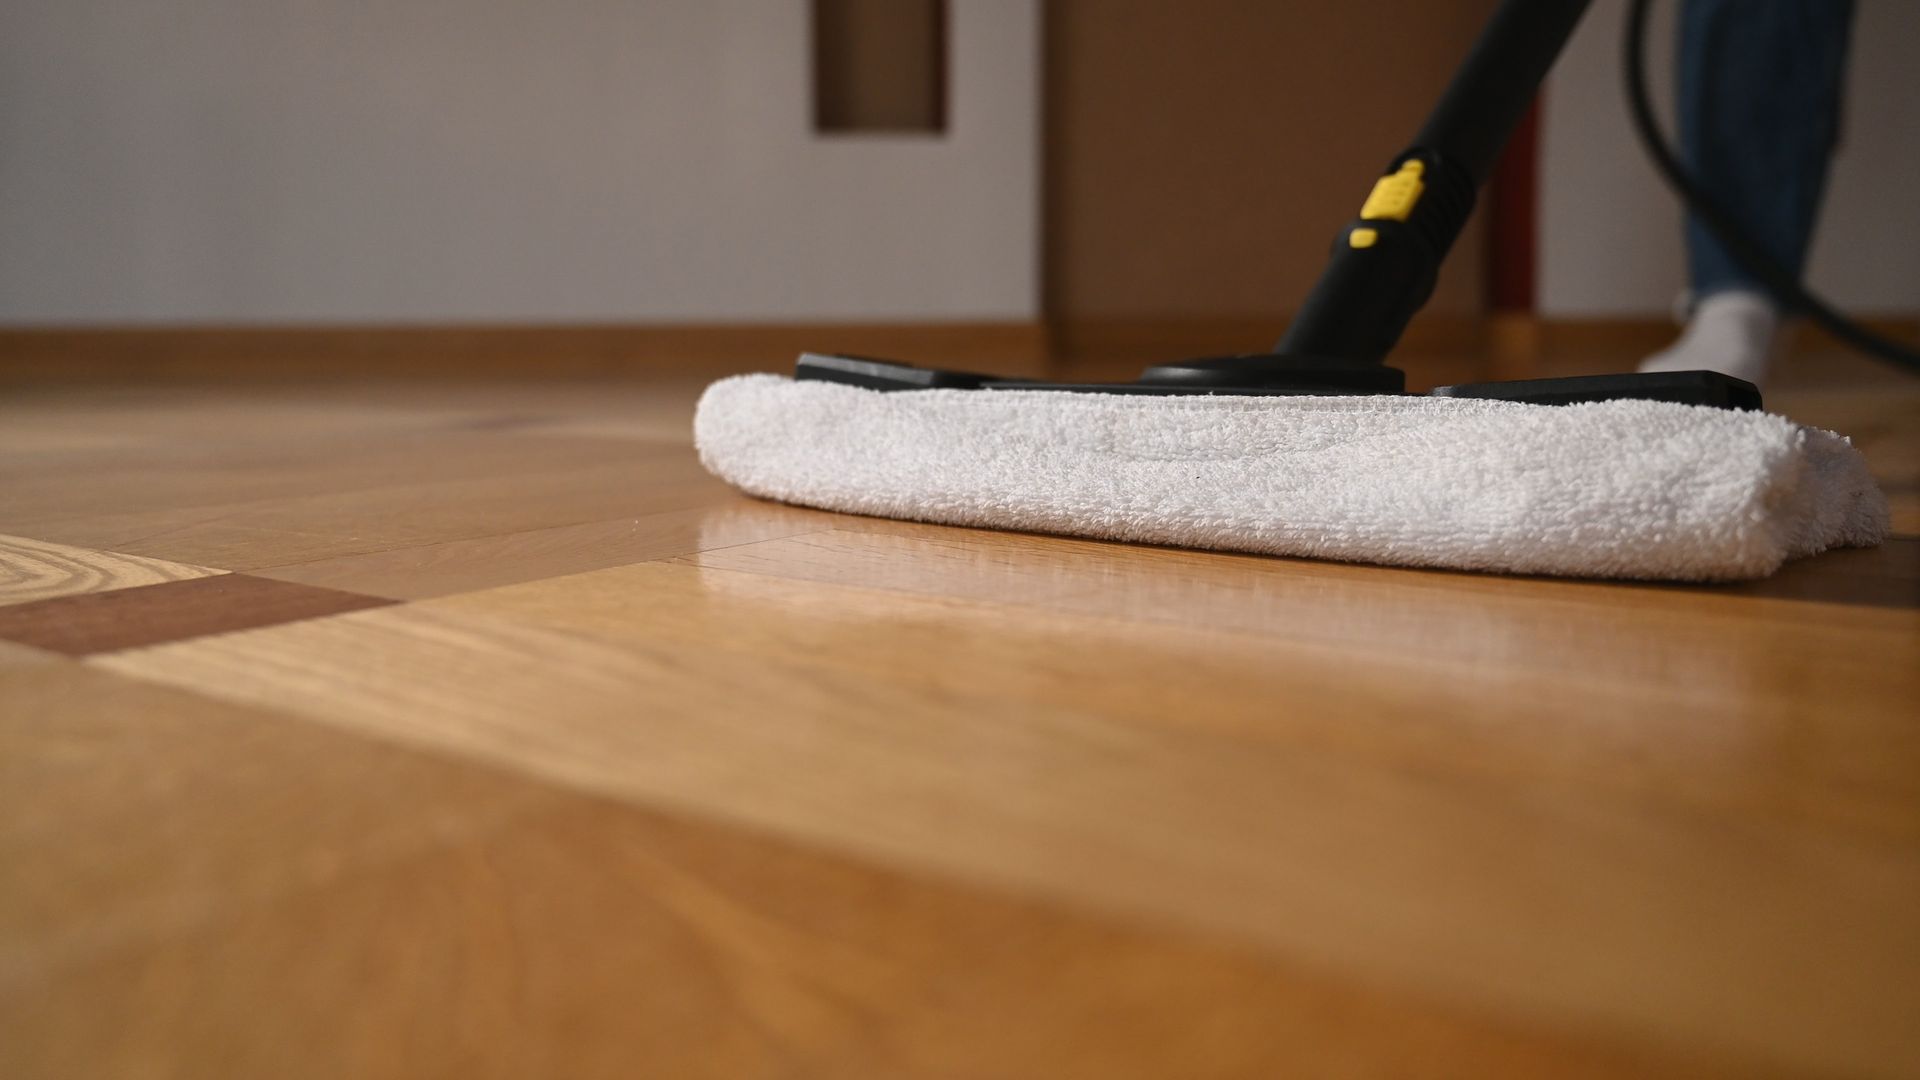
[{"x": 1617, "y": 489}]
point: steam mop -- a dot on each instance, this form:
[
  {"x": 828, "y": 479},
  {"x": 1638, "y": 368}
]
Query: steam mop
[{"x": 1315, "y": 449}]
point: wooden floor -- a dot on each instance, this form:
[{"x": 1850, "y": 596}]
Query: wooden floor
[{"x": 472, "y": 730}]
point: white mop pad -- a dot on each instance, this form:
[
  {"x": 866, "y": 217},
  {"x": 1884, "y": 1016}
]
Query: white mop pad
[{"x": 1619, "y": 489}]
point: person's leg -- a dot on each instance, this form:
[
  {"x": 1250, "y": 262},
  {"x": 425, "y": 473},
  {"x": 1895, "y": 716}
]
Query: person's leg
[{"x": 1759, "y": 100}]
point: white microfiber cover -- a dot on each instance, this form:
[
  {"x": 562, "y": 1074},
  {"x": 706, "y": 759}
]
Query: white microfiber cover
[{"x": 1618, "y": 489}]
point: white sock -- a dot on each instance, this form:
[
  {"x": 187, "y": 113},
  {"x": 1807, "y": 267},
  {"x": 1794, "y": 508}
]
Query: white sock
[{"x": 1731, "y": 332}]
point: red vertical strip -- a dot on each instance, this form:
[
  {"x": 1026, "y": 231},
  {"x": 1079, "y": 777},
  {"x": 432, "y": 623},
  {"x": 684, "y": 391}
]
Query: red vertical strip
[{"x": 1513, "y": 209}]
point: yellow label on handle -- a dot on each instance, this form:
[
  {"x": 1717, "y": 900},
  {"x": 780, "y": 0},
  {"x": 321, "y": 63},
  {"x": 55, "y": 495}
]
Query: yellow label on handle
[{"x": 1393, "y": 196}]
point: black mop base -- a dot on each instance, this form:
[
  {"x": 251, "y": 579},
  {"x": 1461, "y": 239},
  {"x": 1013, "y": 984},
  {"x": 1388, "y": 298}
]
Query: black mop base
[{"x": 1275, "y": 375}]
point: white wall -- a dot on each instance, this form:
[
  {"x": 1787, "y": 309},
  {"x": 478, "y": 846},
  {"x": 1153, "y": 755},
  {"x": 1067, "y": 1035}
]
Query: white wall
[
  {"x": 394, "y": 160},
  {"x": 1610, "y": 230}
]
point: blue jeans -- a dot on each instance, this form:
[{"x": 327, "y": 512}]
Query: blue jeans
[{"x": 1760, "y": 84}]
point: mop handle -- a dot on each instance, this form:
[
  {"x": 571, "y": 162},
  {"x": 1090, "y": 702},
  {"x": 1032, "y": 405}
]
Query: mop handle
[{"x": 1385, "y": 261}]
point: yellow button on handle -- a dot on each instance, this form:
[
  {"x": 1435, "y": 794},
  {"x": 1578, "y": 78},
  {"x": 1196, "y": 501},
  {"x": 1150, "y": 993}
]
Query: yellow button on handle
[
  {"x": 1362, "y": 238},
  {"x": 1394, "y": 195}
]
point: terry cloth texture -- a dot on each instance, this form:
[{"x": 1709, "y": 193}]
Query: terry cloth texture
[{"x": 1618, "y": 489}]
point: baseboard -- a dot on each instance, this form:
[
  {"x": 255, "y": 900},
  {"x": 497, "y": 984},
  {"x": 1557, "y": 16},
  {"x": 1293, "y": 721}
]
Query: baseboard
[
  {"x": 98, "y": 353},
  {"x": 1438, "y": 347}
]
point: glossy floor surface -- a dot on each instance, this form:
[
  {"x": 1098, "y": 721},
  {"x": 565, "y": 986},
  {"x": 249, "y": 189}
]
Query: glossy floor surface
[{"x": 474, "y": 731}]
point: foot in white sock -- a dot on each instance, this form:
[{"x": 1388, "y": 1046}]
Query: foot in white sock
[{"x": 1730, "y": 332}]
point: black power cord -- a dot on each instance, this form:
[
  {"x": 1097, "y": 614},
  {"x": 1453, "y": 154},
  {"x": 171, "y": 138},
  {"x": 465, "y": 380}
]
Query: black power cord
[{"x": 1785, "y": 287}]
